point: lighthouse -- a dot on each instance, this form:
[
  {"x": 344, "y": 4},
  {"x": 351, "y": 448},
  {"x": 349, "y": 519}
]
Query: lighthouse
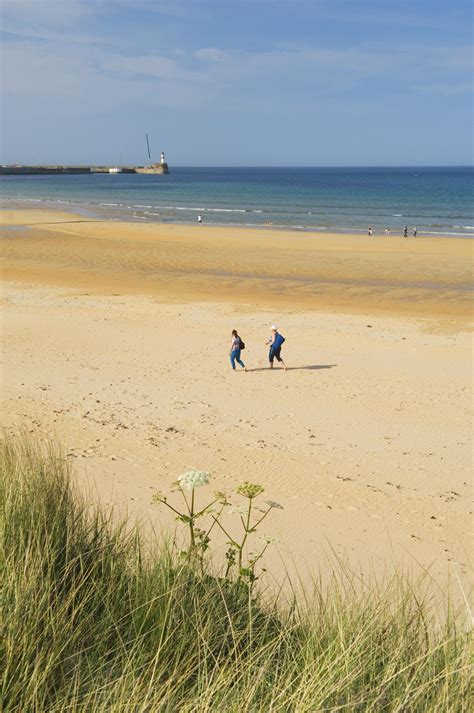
[{"x": 159, "y": 169}]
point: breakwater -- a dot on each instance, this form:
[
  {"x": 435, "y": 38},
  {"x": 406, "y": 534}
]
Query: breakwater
[{"x": 18, "y": 170}]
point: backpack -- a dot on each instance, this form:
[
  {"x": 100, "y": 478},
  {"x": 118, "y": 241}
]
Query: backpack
[{"x": 241, "y": 345}]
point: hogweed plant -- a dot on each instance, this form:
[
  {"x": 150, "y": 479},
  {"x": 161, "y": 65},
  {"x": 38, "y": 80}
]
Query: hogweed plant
[
  {"x": 249, "y": 522},
  {"x": 250, "y": 516},
  {"x": 198, "y": 537}
]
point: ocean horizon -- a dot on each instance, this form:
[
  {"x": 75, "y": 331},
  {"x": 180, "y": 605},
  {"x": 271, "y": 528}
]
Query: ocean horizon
[{"x": 436, "y": 200}]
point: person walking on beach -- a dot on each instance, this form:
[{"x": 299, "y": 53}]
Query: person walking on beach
[
  {"x": 236, "y": 347},
  {"x": 370, "y": 231},
  {"x": 275, "y": 342},
  {"x": 405, "y": 231},
  {"x": 415, "y": 231},
  {"x": 199, "y": 219}
]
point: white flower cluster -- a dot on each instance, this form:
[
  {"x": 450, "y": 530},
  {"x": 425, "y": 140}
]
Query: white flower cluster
[
  {"x": 193, "y": 479},
  {"x": 272, "y": 504},
  {"x": 269, "y": 540},
  {"x": 239, "y": 510}
]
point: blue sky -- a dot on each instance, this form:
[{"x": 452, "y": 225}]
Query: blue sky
[{"x": 237, "y": 82}]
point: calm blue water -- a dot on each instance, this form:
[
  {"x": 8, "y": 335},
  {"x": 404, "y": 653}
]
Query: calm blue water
[{"x": 438, "y": 201}]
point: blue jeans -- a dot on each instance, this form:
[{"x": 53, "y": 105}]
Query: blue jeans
[{"x": 235, "y": 357}]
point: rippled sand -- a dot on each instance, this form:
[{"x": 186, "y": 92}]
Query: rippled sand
[{"x": 422, "y": 276}]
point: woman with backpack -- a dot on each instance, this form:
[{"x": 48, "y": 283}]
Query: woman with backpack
[
  {"x": 235, "y": 348},
  {"x": 276, "y": 341}
]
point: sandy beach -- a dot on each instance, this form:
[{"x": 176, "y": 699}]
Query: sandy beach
[
  {"x": 115, "y": 341},
  {"x": 274, "y": 269}
]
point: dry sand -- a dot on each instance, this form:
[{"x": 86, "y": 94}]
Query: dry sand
[{"x": 116, "y": 340}]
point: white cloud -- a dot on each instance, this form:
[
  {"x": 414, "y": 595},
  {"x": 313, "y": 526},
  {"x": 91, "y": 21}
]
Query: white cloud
[
  {"x": 52, "y": 57},
  {"x": 78, "y": 83},
  {"x": 146, "y": 65},
  {"x": 211, "y": 54},
  {"x": 171, "y": 8},
  {"x": 341, "y": 67},
  {"x": 33, "y": 14},
  {"x": 450, "y": 89}
]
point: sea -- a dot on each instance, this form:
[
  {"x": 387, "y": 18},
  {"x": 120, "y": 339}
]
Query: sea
[{"x": 437, "y": 201}]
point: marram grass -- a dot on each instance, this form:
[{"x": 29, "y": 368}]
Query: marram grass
[{"x": 92, "y": 624}]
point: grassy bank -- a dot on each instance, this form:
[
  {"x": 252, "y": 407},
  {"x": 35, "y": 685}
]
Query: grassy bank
[{"x": 92, "y": 624}]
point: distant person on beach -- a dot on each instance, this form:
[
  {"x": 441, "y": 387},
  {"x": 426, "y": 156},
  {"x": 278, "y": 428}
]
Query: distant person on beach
[
  {"x": 387, "y": 231},
  {"x": 370, "y": 231},
  {"x": 405, "y": 231},
  {"x": 236, "y": 347},
  {"x": 199, "y": 219},
  {"x": 275, "y": 342},
  {"x": 415, "y": 232}
]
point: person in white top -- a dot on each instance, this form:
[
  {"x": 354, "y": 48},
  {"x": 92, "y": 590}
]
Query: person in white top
[
  {"x": 236, "y": 346},
  {"x": 199, "y": 219}
]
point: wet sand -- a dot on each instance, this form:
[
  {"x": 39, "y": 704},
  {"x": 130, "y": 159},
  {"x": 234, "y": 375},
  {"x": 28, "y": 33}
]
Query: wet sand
[
  {"x": 116, "y": 342},
  {"x": 390, "y": 275}
]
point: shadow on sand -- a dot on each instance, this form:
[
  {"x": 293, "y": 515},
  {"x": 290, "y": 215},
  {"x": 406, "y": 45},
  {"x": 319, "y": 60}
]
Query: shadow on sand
[{"x": 313, "y": 367}]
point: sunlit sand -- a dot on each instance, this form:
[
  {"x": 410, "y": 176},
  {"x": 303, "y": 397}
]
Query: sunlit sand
[{"x": 116, "y": 339}]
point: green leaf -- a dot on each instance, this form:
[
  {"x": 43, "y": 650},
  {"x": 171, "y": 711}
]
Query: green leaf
[
  {"x": 184, "y": 518},
  {"x": 245, "y": 572}
]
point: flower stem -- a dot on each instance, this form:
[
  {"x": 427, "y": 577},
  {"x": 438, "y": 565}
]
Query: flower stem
[
  {"x": 261, "y": 519},
  {"x": 246, "y": 534},
  {"x": 191, "y": 523}
]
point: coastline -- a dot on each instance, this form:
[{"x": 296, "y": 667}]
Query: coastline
[
  {"x": 111, "y": 211},
  {"x": 277, "y": 269},
  {"x": 345, "y": 200}
]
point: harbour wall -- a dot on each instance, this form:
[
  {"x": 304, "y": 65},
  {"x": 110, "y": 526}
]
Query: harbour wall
[{"x": 157, "y": 169}]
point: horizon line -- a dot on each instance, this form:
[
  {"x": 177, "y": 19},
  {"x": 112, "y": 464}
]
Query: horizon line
[{"x": 251, "y": 166}]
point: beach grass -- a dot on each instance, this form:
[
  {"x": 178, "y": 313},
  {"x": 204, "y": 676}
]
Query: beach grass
[{"x": 95, "y": 619}]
